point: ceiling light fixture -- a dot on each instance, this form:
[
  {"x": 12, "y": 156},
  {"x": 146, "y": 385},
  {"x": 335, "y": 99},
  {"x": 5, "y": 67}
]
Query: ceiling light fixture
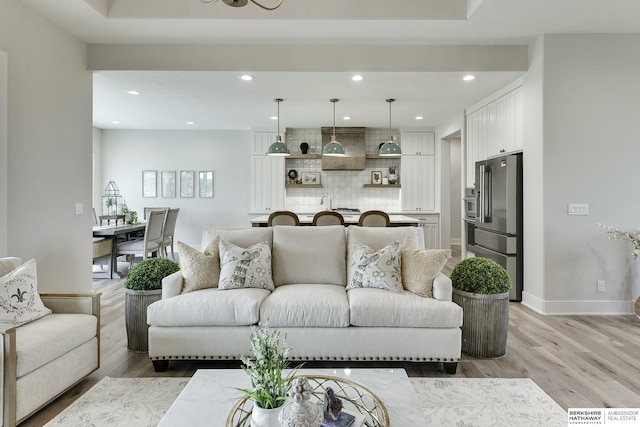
[
  {"x": 278, "y": 148},
  {"x": 191, "y": 123},
  {"x": 246, "y": 77},
  {"x": 357, "y": 78},
  {"x": 133, "y": 92},
  {"x": 419, "y": 117},
  {"x": 468, "y": 78},
  {"x": 390, "y": 148},
  {"x": 333, "y": 148},
  {"x": 240, "y": 3}
]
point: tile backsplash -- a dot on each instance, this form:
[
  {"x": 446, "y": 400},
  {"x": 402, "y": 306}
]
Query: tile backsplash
[{"x": 346, "y": 188}]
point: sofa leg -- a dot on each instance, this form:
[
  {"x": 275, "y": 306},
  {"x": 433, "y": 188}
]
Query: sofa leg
[
  {"x": 160, "y": 365},
  {"x": 449, "y": 367}
]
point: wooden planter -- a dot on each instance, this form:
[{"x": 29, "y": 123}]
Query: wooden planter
[
  {"x": 135, "y": 312},
  {"x": 485, "y": 323}
]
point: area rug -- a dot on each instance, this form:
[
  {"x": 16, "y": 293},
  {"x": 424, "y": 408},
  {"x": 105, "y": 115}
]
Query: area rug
[{"x": 468, "y": 402}]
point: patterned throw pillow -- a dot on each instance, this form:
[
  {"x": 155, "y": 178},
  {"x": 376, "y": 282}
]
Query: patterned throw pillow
[
  {"x": 19, "y": 299},
  {"x": 420, "y": 267},
  {"x": 200, "y": 270},
  {"x": 381, "y": 269},
  {"x": 245, "y": 268}
]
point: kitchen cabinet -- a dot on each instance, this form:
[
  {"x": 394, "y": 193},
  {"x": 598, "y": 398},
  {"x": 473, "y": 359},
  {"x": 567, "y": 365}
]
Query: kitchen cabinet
[
  {"x": 267, "y": 175},
  {"x": 431, "y": 226},
  {"x": 418, "y": 172},
  {"x": 494, "y": 129}
]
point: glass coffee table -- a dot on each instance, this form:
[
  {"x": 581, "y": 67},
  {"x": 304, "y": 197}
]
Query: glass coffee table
[
  {"x": 356, "y": 399},
  {"x": 212, "y": 396}
]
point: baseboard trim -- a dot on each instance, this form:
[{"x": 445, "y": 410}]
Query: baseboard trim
[{"x": 575, "y": 308}]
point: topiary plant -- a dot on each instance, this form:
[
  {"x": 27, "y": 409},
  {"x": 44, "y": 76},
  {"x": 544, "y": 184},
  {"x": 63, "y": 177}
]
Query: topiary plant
[
  {"x": 480, "y": 276},
  {"x": 148, "y": 275}
]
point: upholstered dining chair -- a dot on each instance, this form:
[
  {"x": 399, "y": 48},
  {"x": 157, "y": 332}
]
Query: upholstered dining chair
[
  {"x": 283, "y": 218},
  {"x": 150, "y": 243},
  {"x": 374, "y": 218},
  {"x": 168, "y": 230},
  {"x": 328, "y": 218},
  {"x": 148, "y": 209}
]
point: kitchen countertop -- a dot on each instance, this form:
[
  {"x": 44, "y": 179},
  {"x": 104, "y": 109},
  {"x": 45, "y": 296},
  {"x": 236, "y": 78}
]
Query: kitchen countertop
[{"x": 349, "y": 219}]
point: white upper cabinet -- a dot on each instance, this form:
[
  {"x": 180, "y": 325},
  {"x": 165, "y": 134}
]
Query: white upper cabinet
[
  {"x": 267, "y": 175},
  {"x": 418, "y": 143},
  {"x": 417, "y": 167}
]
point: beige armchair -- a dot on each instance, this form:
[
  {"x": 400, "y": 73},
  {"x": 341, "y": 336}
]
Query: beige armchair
[{"x": 42, "y": 359}]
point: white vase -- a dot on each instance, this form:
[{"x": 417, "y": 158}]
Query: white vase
[{"x": 261, "y": 417}]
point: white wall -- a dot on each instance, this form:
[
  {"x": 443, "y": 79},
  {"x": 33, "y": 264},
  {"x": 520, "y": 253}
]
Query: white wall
[
  {"x": 3, "y": 153},
  {"x": 126, "y": 153},
  {"x": 591, "y": 153},
  {"x": 49, "y": 148},
  {"x": 455, "y": 202}
]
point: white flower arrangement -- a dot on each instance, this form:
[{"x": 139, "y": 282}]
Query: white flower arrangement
[
  {"x": 268, "y": 386},
  {"x": 629, "y": 236}
]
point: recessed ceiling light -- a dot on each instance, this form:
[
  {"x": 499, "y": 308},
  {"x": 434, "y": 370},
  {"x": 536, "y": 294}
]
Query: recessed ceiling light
[
  {"x": 274, "y": 118},
  {"x": 133, "y": 92},
  {"x": 419, "y": 117},
  {"x": 468, "y": 78},
  {"x": 246, "y": 77},
  {"x": 346, "y": 118},
  {"x": 357, "y": 78},
  {"x": 191, "y": 123},
  {"x": 115, "y": 122}
]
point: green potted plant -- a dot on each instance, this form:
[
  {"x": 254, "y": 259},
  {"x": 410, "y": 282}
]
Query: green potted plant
[
  {"x": 481, "y": 287},
  {"x": 143, "y": 286}
]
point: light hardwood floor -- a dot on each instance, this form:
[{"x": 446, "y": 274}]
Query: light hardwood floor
[{"x": 580, "y": 361}]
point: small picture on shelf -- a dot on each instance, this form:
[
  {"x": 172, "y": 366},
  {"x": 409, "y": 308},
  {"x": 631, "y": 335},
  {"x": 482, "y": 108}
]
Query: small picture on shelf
[
  {"x": 345, "y": 419},
  {"x": 376, "y": 177},
  {"x": 310, "y": 177}
]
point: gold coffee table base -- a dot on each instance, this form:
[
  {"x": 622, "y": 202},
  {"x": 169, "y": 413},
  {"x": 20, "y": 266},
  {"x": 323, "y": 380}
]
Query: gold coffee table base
[{"x": 355, "y": 398}]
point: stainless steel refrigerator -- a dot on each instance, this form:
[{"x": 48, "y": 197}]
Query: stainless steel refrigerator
[{"x": 498, "y": 233}]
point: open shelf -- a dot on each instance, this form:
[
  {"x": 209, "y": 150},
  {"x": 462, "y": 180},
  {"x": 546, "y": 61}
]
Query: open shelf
[
  {"x": 304, "y": 156},
  {"x": 303, "y": 185},
  {"x": 377, "y": 156},
  {"x": 381, "y": 186}
]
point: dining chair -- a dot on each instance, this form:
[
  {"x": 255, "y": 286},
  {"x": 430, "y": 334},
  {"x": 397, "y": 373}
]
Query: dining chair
[
  {"x": 283, "y": 218},
  {"x": 149, "y": 209},
  {"x": 168, "y": 230},
  {"x": 150, "y": 243},
  {"x": 374, "y": 218},
  {"x": 328, "y": 218},
  {"x": 102, "y": 252}
]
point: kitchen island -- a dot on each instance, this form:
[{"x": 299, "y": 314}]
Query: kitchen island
[{"x": 349, "y": 219}]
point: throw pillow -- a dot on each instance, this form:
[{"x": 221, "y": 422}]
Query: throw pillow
[
  {"x": 381, "y": 269},
  {"x": 245, "y": 268},
  {"x": 420, "y": 267},
  {"x": 200, "y": 270},
  {"x": 19, "y": 299}
]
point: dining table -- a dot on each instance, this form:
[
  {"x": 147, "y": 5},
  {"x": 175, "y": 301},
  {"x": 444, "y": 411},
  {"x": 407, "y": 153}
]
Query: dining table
[{"x": 114, "y": 232}]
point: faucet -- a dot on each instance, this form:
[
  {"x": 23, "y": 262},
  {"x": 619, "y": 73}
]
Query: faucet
[{"x": 328, "y": 198}]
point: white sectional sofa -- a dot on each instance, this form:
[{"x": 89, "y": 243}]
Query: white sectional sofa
[{"x": 322, "y": 320}]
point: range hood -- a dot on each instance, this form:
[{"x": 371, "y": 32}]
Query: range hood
[{"x": 352, "y": 139}]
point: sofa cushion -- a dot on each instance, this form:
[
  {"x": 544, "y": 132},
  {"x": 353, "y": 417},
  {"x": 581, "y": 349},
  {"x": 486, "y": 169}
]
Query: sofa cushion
[
  {"x": 306, "y": 305},
  {"x": 377, "y": 307},
  {"x": 245, "y": 267},
  {"x": 243, "y": 237},
  {"x": 43, "y": 340},
  {"x": 200, "y": 270},
  {"x": 19, "y": 299},
  {"x": 208, "y": 307},
  {"x": 378, "y": 237},
  {"x": 9, "y": 264},
  {"x": 309, "y": 255},
  {"x": 420, "y": 267},
  {"x": 380, "y": 269}
]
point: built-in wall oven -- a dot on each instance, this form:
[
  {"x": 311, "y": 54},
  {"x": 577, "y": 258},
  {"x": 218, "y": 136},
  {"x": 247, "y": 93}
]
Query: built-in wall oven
[{"x": 470, "y": 218}]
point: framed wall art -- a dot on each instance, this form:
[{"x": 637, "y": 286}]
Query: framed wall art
[
  {"x": 187, "y": 183},
  {"x": 168, "y": 183},
  {"x": 376, "y": 177},
  {"x": 205, "y": 183},
  {"x": 310, "y": 178},
  {"x": 149, "y": 183}
]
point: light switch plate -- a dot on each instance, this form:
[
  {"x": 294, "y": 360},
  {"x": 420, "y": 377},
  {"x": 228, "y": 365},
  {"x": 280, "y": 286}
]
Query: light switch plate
[
  {"x": 578, "y": 209},
  {"x": 79, "y": 208}
]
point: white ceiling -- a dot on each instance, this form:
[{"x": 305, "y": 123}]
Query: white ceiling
[{"x": 220, "y": 100}]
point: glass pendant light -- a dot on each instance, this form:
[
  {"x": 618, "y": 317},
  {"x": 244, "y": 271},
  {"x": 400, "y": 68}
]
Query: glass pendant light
[
  {"x": 278, "y": 148},
  {"x": 333, "y": 148},
  {"x": 390, "y": 148}
]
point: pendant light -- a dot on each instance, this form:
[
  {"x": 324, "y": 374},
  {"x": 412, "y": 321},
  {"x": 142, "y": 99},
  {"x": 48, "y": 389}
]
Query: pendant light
[
  {"x": 333, "y": 148},
  {"x": 390, "y": 148},
  {"x": 278, "y": 148}
]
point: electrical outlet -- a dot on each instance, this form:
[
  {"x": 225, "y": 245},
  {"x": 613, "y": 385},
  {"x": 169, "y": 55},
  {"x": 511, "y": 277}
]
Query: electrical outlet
[
  {"x": 578, "y": 209},
  {"x": 600, "y": 285},
  {"x": 79, "y": 208}
]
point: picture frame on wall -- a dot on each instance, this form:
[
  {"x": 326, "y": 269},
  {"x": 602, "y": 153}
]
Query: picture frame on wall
[
  {"x": 376, "y": 177},
  {"x": 149, "y": 183},
  {"x": 205, "y": 183},
  {"x": 310, "y": 178},
  {"x": 168, "y": 184},
  {"x": 187, "y": 183}
]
